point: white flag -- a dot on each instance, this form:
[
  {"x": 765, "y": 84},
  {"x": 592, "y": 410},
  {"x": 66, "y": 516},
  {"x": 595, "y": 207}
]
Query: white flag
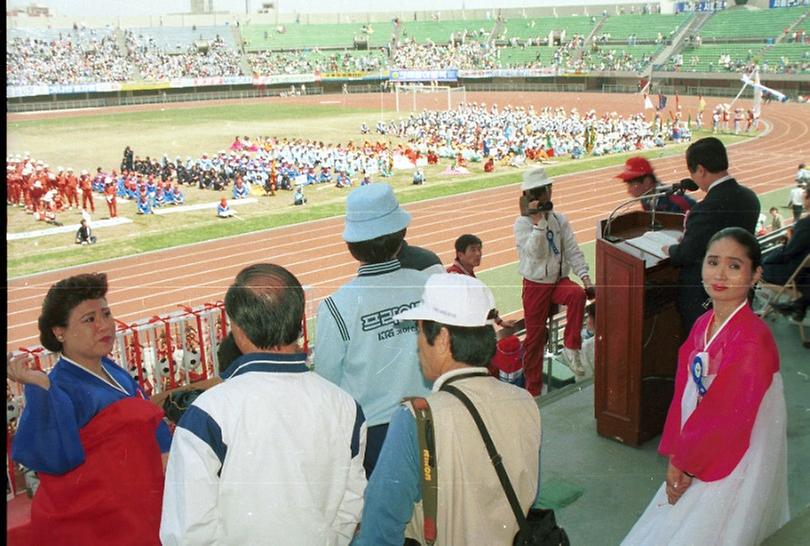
[{"x": 757, "y": 95}]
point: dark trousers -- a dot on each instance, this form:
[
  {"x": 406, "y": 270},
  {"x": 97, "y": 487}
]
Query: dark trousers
[
  {"x": 797, "y": 212},
  {"x": 691, "y": 304},
  {"x": 375, "y": 437}
]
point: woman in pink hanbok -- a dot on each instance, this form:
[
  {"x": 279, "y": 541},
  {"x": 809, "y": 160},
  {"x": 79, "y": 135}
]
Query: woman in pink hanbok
[{"x": 725, "y": 433}]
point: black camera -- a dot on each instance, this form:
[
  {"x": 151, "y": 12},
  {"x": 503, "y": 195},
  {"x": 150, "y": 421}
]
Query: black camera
[
  {"x": 536, "y": 194},
  {"x": 545, "y": 207}
]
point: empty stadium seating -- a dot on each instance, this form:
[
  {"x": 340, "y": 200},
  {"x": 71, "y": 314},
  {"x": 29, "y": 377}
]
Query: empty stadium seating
[
  {"x": 644, "y": 27},
  {"x": 541, "y": 27},
  {"x": 439, "y": 32},
  {"x": 302, "y": 36},
  {"x": 749, "y": 23},
  {"x": 172, "y": 39}
]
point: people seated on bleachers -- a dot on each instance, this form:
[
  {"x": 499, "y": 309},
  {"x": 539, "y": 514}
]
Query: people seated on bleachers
[
  {"x": 153, "y": 62},
  {"x": 86, "y": 56}
]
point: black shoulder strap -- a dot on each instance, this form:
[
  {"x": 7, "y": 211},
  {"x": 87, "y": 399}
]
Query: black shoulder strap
[{"x": 494, "y": 456}]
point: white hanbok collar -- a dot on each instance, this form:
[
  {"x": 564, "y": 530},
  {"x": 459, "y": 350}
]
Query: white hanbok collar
[{"x": 112, "y": 382}]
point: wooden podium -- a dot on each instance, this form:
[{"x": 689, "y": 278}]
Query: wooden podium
[{"x": 638, "y": 330}]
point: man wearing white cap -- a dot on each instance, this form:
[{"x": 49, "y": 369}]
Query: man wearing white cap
[
  {"x": 359, "y": 346},
  {"x": 548, "y": 250},
  {"x": 456, "y": 343}
]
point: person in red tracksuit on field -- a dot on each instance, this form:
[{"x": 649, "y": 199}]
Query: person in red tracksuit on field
[
  {"x": 71, "y": 189},
  {"x": 86, "y": 187},
  {"x": 109, "y": 195}
]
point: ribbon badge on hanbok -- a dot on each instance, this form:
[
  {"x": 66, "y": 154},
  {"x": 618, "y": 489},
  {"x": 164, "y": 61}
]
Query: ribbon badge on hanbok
[{"x": 700, "y": 365}]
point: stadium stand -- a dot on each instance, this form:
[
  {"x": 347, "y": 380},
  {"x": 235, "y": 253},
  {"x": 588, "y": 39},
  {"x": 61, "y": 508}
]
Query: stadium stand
[
  {"x": 470, "y": 55},
  {"x": 155, "y": 63},
  {"x": 729, "y": 41},
  {"x": 541, "y": 27},
  {"x": 786, "y": 58},
  {"x": 308, "y": 61},
  {"x": 627, "y": 58},
  {"x": 643, "y": 27},
  {"x": 750, "y": 24},
  {"x": 440, "y": 32},
  {"x": 44, "y": 34},
  {"x": 301, "y": 36},
  {"x": 177, "y": 39},
  {"x": 518, "y": 57},
  {"x": 717, "y": 57},
  {"x": 77, "y": 57}
]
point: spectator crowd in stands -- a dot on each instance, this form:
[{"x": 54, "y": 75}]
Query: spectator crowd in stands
[
  {"x": 112, "y": 55},
  {"x": 154, "y": 63},
  {"x": 468, "y": 56},
  {"x": 268, "y": 63},
  {"x": 85, "y": 56}
]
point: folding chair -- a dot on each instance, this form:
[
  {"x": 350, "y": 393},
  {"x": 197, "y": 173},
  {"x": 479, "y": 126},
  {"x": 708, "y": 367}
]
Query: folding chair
[{"x": 789, "y": 289}]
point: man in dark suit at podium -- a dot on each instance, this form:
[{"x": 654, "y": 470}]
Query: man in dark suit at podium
[{"x": 727, "y": 204}]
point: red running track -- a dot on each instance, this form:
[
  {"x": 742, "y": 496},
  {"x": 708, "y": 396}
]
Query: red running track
[{"x": 152, "y": 283}]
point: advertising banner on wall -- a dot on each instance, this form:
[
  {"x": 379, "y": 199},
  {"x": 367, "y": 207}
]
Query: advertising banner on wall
[
  {"x": 398, "y": 75},
  {"x": 36, "y": 90},
  {"x": 508, "y": 73},
  {"x": 283, "y": 78}
]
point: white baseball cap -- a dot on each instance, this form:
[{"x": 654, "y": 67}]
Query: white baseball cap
[
  {"x": 455, "y": 300},
  {"x": 535, "y": 178}
]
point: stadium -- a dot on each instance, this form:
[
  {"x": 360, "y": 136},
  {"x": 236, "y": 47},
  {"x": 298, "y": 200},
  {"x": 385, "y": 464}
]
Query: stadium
[{"x": 167, "y": 114}]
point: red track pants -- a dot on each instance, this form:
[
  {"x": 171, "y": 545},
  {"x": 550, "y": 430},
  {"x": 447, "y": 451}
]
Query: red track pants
[
  {"x": 537, "y": 300},
  {"x": 87, "y": 196}
]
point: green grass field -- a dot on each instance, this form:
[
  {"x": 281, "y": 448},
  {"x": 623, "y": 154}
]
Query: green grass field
[{"x": 99, "y": 140}]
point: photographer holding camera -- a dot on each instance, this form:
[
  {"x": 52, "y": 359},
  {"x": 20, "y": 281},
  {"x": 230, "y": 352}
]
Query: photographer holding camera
[{"x": 548, "y": 251}]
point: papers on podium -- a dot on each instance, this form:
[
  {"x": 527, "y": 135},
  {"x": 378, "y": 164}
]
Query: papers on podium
[{"x": 653, "y": 241}]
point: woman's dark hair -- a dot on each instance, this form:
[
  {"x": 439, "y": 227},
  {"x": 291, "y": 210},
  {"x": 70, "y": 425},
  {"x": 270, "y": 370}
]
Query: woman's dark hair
[
  {"x": 379, "y": 250},
  {"x": 62, "y": 298},
  {"x": 474, "y": 346},
  {"x": 745, "y": 239},
  {"x": 709, "y": 152},
  {"x": 267, "y": 303}
]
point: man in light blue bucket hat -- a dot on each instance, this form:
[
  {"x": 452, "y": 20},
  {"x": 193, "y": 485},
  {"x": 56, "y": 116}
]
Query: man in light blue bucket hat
[{"x": 359, "y": 345}]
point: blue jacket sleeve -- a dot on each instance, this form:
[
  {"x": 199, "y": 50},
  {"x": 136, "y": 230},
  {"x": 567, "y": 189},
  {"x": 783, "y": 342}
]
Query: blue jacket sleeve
[
  {"x": 331, "y": 340},
  {"x": 394, "y": 486},
  {"x": 47, "y": 438}
]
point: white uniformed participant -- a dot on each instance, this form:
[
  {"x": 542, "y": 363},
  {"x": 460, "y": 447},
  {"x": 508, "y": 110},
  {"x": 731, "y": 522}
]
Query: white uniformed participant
[{"x": 274, "y": 454}]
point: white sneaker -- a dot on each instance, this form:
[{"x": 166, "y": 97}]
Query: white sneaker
[{"x": 573, "y": 359}]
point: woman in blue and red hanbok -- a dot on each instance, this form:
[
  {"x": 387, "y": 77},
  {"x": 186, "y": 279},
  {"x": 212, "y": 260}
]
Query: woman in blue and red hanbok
[
  {"x": 725, "y": 433},
  {"x": 97, "y": 443}
]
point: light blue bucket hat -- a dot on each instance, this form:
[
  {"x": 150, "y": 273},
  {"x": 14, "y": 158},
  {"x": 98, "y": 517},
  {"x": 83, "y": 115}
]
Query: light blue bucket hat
[{"x": 373, "y": 211}]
